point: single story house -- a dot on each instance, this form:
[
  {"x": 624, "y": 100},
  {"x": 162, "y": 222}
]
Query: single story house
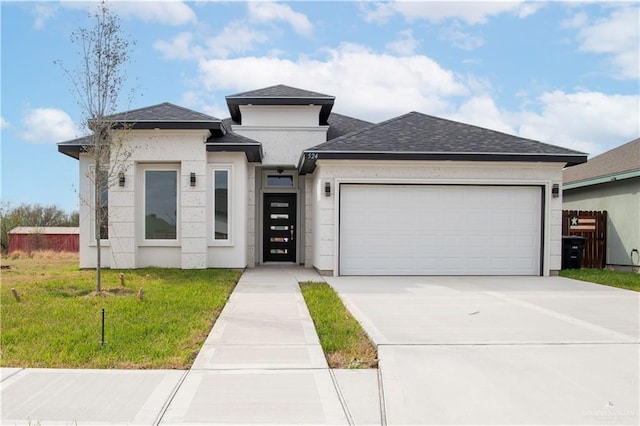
[
  {"x": 37, "y": 238},
  {"x": 285, "y": 180},
  {"x": 611, "y": 182}
]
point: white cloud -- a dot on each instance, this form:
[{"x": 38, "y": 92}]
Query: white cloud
[
  {"x": 266, "y": 11},
  {"x": 405, "y": 44},
  {"x": 237, "y": 37},
  {"x": 576, "y": 21},
  {"x": 460, "y": 39},
  {"x": 471, "y": 12},
  {"x": 168, "y": 12},
  {"x": 178, "y": 48},
  {"x": 617, "y": 35},
  {"x": 43, "y": 12},
  {"x": 45, "y": 125},
  {"x": 4, "y": 124},
  {"x": 591, "y": 122},
  {"x": 358, "y": 76}
]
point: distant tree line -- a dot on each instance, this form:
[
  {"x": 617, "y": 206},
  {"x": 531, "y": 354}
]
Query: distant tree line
[{"x": 33, "y": 215}]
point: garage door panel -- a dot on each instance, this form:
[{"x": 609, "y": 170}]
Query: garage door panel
[{"x": 439, "y": 230}]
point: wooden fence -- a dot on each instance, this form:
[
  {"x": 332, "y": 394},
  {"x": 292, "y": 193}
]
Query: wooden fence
[{"x": 591, "y": 225}]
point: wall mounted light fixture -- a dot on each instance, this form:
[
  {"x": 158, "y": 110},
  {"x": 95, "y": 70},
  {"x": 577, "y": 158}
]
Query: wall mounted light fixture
[
  {"x": 121, "y": 179},
  {"x": 327, "y": 189},
  {"x": 192, "y": 179},
  {"x": 555, "y": 190}
]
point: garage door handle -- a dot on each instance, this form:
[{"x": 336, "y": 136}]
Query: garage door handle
[{"x": 291, "y": 232}]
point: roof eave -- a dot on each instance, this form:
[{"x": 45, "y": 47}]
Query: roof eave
[
  {"x": 72, "y": 151},
  {"x": 601, "y": 179},
  {"x": 253, "y": 151},
  {"x": 308, "y": 159},
  {"x": 326, "y": 104},
  {"x": 168, "y": 125}
]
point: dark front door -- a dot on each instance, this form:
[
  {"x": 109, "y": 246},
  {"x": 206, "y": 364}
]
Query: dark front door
[{"x": 279, "y": 243}]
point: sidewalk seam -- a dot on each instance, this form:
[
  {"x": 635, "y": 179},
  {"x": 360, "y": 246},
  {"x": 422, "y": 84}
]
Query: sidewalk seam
[
  {"x": 345, "y": 407},
  {"x": 383, "y": 408},
  {"x": 166, "y": 405}
]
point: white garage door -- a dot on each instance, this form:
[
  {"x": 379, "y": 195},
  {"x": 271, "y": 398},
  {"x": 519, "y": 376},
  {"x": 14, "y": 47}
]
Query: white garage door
[{"x": 439, "y": 230}]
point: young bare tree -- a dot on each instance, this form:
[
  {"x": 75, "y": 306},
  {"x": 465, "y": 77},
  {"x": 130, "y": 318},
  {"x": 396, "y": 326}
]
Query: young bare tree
[{"x": 98, "y": 83}]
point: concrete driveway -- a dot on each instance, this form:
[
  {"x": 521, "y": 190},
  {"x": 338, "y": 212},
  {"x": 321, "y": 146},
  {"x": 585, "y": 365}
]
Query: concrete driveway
[{"x": 501, "y": 350}]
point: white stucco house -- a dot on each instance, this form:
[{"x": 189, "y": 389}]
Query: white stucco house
[{"x": 285, "y": 180}]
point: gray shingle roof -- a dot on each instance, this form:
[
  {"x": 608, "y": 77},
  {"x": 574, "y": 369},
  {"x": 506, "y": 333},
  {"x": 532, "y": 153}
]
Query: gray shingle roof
[
  {"x": 280, "y": 95},
  {"x": 162, "y": 113},
  {"x": 416, "y": 132},
  {"x": 230, "y": 141},
  {"x": 340, "y": 125},
  {"x": 625, "y": 158},
  {"x": 280, "y": 91},
  {"x": 423, "y": 137}
]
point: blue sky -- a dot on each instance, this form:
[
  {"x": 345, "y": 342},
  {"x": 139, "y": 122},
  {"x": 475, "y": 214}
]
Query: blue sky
[{"x": 562, "y": 73}]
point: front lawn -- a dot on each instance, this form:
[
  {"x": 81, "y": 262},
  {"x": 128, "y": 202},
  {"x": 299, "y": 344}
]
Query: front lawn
[
  {"x": 57, "y": 322},
  {"x": 626, "y": 280},
  {"x": 343, "y": 341}
]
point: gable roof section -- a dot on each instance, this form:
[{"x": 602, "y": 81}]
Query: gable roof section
[
  {"x": 340, "y": 125},
  {"x": 233, "y": 142},
  {"x": 164, "y": 116},
  {"x": 622, "y": 162},
  {"x": 416, "y": 136},
  {"x": 280, "y": 95}
]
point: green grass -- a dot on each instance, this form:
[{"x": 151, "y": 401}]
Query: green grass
[
  {"x": 344, "y": 342},
  {"x": 57, "y": 323},
  {"x": 626, "y": 280}
]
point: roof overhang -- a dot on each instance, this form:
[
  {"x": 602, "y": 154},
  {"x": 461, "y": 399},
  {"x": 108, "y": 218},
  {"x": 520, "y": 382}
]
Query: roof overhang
[
  {"x": 307, "y": 163},
  {"x": 169, "y": 125},
  {"x": 253, "y": 151},
  {"x": 602, "y": 179},
  {"x": 326, "y": 104}
]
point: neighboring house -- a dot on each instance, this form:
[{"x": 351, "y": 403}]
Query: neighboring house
[
  {"x": 36, "y": 238},
  {"x": 287, "y": 181},
  {"x": 611, "y": 182}
]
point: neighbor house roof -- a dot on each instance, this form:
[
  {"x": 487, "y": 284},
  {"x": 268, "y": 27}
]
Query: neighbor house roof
[
  {"x": 48, "y": 230},
  {"x": 280, "y": 95},
  {"x": 161, "y": 116},
  {"x": 416, "y": 136},
  {"x": 619, "y": 163}
]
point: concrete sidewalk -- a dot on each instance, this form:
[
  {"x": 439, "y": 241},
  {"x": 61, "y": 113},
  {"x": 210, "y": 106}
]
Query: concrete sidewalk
[{"x": 261, "y": 364}]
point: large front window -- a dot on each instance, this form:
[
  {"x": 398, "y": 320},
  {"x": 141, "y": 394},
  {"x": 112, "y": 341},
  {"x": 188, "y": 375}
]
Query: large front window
[{"x": 160, "y": 204}]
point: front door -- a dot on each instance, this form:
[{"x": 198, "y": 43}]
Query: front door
[{"x": 279, "y": 243}]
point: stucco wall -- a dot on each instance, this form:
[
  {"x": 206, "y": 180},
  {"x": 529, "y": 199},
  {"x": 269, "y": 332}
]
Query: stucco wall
[
  {"x": 621, "y": 200},
  {"x": 325, "y": 209},
  {"x": 195, "y": 246},
  {"x": 284, "y": 131}
]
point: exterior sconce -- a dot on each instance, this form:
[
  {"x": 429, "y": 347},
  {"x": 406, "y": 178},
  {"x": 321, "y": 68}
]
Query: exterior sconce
[
  {"x": 555, "y": 190},
  {"x": 192, "y": 179},
  {"x": 327, "y": 189},
  {"x": 121, "y": 179}
]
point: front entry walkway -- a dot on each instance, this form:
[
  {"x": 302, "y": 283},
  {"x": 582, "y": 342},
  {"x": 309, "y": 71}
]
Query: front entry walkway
[{"x": 262, "y": 362}]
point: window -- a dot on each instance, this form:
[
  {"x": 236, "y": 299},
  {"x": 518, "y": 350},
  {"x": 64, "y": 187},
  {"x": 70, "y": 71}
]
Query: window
[
  {"x": 160, "y": 204},
  {"x": 221, "y": 204},
  {"x": 280, "y": 181},
  {"x": 103, "y": 206}
]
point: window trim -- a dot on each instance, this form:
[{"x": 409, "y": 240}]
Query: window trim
[
  {"x": 144, "y": 168},
  {"x": 213, "y": 168},
  {"x": 274, "y": 172}
]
